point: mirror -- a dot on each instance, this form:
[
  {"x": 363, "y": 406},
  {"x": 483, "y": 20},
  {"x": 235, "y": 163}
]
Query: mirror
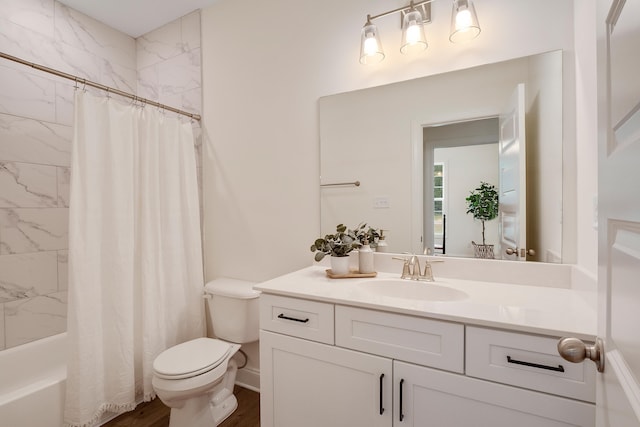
[{"x": 389, "y": 138}]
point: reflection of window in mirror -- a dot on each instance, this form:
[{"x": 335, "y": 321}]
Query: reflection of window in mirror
[{"x": 439, "y": 215}]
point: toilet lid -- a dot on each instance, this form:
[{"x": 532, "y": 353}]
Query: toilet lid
[{"x": 191, "y": 358}]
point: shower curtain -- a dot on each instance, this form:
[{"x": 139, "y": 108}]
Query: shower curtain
[{"x": 135, "y": 255}]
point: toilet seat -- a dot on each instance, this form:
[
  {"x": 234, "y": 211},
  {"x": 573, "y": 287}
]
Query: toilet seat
[{"x": 190, "y": 358}]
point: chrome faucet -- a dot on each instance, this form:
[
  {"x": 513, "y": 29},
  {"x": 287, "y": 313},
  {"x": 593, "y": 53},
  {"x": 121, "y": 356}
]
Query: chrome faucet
[
  {"x": 414, "y": 264},
  {"x": 411, "y": 269}
]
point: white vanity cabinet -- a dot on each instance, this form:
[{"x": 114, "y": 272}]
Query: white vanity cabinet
[
  {"x": 437, "y": 398},
  {"x": 307, "y": 381},
  {"x": 326, "y": 364}
]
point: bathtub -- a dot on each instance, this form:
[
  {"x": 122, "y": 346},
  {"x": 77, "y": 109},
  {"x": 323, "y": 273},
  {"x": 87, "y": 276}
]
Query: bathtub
[{"x": 32, "y": 383}]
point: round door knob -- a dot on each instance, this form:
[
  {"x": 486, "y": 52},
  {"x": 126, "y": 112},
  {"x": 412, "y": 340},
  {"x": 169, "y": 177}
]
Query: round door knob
[
  {"x": 574, "y": 350},
  {"x": 511, "y": 251}
]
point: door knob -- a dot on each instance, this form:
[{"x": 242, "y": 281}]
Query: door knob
[
  {"x": 523, "y": 252},
  {"x": 574, "y": 350}
]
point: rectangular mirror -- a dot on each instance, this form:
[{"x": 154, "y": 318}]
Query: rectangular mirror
[{"x": 419, "y": 148}]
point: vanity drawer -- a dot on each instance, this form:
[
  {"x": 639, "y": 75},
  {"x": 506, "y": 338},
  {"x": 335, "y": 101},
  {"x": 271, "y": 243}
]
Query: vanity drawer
[
  {"x": 529, "y": 361},
  {"x": 412, "y": 339},
  {"x": 297, "y": 317}
]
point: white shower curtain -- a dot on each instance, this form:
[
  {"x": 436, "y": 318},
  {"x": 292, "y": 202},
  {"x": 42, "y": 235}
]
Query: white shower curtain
[{"x": 135, "y": 255}]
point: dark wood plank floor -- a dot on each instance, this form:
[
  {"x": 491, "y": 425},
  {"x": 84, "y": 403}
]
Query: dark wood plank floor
[{"x": 156, "y": 414}]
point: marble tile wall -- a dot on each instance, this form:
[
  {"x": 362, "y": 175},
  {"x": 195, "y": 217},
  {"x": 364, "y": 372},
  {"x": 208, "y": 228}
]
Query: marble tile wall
[
  {"x": 169, "y": 71},
  {"x": 36, "y": 115}
]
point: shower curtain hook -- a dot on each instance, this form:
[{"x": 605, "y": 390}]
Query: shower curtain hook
[
  {"x": 75, "y": 87},
  {"x": 108, "y": 94}
]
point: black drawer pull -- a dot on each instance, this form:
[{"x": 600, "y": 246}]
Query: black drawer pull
[
  {"x": 558, "y": 368},
  {"x": 401, "y": 417},
  {"x": 381, "y": 408},
  {"x": 282, "y": 316}
]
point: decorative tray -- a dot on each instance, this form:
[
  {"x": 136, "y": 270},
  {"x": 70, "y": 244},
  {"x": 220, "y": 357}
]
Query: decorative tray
[{"x": 351, "y": 275}]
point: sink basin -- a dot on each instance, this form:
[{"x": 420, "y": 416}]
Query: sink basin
[{"x": 413, "y": 290}]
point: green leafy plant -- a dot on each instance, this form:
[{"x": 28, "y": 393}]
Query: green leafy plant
[
  {"x": 483, "y": 204},
  {"x": 364, "y": 233},
  {"x": 338, "y": 244}
]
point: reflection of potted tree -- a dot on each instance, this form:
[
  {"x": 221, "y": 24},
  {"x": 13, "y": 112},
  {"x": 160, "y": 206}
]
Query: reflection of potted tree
[{"x": 483, "y": 204}]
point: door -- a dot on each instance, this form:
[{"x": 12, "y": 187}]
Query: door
[
  {"x": 512, "y": 215},
  {"x": 618, "y": 397},
  {"x": 320, "y": 385}
]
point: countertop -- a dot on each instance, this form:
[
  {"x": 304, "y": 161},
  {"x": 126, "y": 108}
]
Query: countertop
[{"x": 525, "y": 308}]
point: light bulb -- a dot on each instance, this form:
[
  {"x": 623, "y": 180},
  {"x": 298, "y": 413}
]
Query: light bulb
[
  {"x": 413, "y": 39},
  {"x": 463, "y": 20},
  {"x": 413, "y": 33},
  {"x": 370, "y": 45}
]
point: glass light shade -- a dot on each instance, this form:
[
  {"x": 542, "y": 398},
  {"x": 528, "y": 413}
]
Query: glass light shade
[
  {"x": 413, "y": 38},
  {"x": 464, "y": 21},
  {"x": 370, "y": 47}
]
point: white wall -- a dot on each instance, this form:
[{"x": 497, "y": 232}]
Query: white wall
[
  {"x": 260, "y": 96},
  {"x": 545, "y": 163}
]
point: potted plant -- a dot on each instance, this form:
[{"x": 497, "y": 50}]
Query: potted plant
[
  {"x": 364, "y": 233},
  {"x": 483, "y": 204},
  {"x": 338, "y": 246}
]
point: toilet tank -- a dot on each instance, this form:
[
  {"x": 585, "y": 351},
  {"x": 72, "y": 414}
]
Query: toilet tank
[{"x": 233, "y": 310}]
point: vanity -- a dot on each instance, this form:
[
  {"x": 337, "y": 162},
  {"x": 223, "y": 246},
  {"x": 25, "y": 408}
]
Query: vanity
[{"x": 454, "y": 352}]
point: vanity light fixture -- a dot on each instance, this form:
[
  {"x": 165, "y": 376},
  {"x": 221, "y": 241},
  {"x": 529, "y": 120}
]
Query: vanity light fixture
[{"x": 464, "y": 27}]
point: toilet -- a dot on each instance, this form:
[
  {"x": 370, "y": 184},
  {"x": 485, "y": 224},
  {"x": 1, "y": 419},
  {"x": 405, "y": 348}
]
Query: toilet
[{"x": 196, "y": 378}]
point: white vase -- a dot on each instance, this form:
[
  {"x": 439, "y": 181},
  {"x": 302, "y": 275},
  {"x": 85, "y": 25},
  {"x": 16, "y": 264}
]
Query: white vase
[
  {"x": 340, "y": 265},
  {"x": 365, "y": 260}
]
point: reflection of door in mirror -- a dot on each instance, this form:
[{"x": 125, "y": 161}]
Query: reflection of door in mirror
[
  {"x": 464, "y": 154},
  {"x": 513, "y": 188}
]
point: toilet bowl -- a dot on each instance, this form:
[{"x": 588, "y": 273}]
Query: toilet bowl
[{"x": 196, "y": 378}]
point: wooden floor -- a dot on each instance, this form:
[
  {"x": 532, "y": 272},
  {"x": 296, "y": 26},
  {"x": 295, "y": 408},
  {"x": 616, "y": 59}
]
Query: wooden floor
[{"x": 155, "y": 414}]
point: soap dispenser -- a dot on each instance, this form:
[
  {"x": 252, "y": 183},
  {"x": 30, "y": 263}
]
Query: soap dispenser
[
  {"x": 382, "y": 244},
  {"x": 365, "y": 259}
]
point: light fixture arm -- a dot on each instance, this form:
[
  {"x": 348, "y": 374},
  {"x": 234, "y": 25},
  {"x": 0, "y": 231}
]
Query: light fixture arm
[{"x": 400, "y": 9}]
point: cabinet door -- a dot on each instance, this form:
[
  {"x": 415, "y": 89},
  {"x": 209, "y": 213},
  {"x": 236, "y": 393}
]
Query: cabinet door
[
  {"x": 442, "y": 399},
  {"x": 309, "y": 384}
]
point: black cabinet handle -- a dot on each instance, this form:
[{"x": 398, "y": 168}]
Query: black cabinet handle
[
  {"x": 381, "y": 408},
  {"x": 282, "y": 316},
  {"x": 401, "y": 414},
  {"x": 558, "y": 368}
]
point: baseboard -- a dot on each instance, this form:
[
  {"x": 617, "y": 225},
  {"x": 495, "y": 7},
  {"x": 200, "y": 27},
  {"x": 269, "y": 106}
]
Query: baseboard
[{"x": 248, "y": 378}]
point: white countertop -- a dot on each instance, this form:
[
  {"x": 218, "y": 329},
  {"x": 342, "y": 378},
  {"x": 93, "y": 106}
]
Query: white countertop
[{"x": 534, "y": 309}]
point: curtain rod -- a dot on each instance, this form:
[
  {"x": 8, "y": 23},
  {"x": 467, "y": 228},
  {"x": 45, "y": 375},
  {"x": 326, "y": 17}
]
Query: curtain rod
[{"x": 108, "y": 89}]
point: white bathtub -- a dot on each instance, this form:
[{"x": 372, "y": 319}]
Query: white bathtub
[{"x": 32, "y": 383}]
